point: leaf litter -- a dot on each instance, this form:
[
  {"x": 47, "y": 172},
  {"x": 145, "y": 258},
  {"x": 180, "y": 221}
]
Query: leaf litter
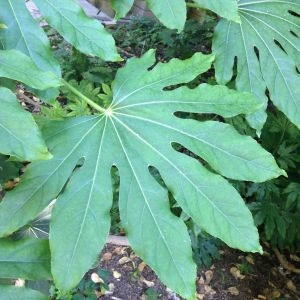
[{"x": 235, "y": 276}]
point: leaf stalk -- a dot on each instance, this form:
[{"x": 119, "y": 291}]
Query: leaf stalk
[{"x": 83, "y": 97}]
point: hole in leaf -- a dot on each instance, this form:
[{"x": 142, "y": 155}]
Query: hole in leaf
[
  {"x": 197, "y": 116},
  {"x": 297, "y": 70},
  {"x": 78, "y": 165},
  {"x": 115, "y": 223},
  {"x": 256, "y": 51},
  {"x": 181, "y": 149},
  {"x": 279, "y": 45},
  {"x": 294, "y": 34},
  {"x": 175, "y": 208},
  {"x": 293, "y": 13}
]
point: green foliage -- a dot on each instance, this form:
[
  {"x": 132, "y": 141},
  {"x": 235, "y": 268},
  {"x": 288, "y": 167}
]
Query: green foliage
[
  {"x": 12, "y": 293},
  {"x": 266, "y": 45},
  {"x": 8, "y": 169},
  {"x": 109, "y": 139},
  {"x": 275, "y": 204},
  {"x": 205, "y": 249},
  {"x": 141, "y": 35},
  {"x": 121, "y": 7},
  {"x": 36, "y": 254},
  {"x": 118, "y": 134},
  {"x": 226, "y": 8},
  {"x": 22, "y": 144}
]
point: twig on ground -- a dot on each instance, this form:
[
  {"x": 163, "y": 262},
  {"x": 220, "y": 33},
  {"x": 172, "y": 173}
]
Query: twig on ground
[{"x": 285, "y": 264}]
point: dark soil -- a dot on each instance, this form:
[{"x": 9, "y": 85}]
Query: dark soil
[{"x": 235, "y": 276}]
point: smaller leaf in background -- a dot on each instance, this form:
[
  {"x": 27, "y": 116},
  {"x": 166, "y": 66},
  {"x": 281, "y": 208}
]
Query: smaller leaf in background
[
  {"x": 23, "y": 140},
  {"x": 25, "y": 258},
  {"x": 172, "y": 13},
  {"x": 16, "y": 65},
  {"x": 121, "y": 7},
  {"x": 227, "y": 9},
  {"x": 107, "y": 95},
  {"x": 293, "y": 195},
  {"x": 25, "y": 34},
  {"x": 8, "y": 169},
  {"x": 266, "y": 48},
  {"x": 87, "y": 35},
  {"x": 12, "y": 293}
]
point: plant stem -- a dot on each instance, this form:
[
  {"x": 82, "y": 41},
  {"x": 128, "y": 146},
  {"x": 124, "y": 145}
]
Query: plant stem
[{"x": 83, "y": 97}]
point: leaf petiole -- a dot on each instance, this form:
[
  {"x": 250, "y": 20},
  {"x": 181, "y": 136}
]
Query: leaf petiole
[{"x": 83, "y": 97}]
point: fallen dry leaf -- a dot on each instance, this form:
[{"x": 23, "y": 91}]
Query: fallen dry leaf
[
  {"x": 250, "y": 259},
  {"x": 295, "y": 257},
  {"x": 116, "y": 274},
  {"x": 98, "y": 293},
  {"x": 148, "y": 283},
  {"x": 141, "y": 267},
  {"x": 208, "y": 276},
  {"x": 290, "y": 285},
  {"x": 120, "y": 250},
  {"x": 236, "y": 273},
  {"x": 275, "y": 294},
  {"x": 200, "y": 296},
  {"x": 106, "y": 256},
  {"x": 233, "y": 291},
  {"x": 124, "y": 260},
  {"x": 96, "y": 278},
  {"x": 201, "y": 280}
]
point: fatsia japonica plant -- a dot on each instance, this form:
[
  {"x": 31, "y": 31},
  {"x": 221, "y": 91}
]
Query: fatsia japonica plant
[{"x": 256, "y": 43}]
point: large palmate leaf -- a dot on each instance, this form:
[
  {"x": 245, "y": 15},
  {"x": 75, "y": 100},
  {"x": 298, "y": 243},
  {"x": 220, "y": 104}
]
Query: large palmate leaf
[
  {"x": 267, "y": 47},
  {"x": 87, "y": 35},
  {"x": 12, "y": 293},
  {"x": 226, "y": 8},
  {"x": 26, "y": 258},
  {"x": 136, "y": 134},
  {"x": 22, "y": 137},
  {"x": 23, "y": 33},
  {"x": 172, "y": 13}
]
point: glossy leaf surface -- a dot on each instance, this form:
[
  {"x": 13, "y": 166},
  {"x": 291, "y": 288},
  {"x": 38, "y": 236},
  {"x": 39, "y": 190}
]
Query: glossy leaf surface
[{"x": 266, "y": 45}]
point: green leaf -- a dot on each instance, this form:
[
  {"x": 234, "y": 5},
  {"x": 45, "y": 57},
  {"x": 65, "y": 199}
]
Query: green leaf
[
  {"x": 2, "y": 26},
  {"x": 267, "y": 48},
  {"x": 121, "y": 7},
  {"x": 22, "y": 137},
  {"x": 8, "y": 169},
  {"x": 172, "y": 13},
  {"x": 23, "y": 33},
  {"x": 85, "y": 34},
  {"x": 227, "y": 9},
  {"x": 16, "y": 65},
  {"x": 13, "y": 293},
  {"x": 137, "y": 132},
  {"x": 26, "y": 258}
]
